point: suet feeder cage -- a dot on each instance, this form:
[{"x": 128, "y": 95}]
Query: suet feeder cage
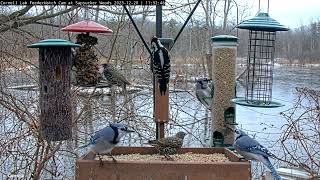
[
  {"x": 260, "y": 61},
  {"x": 224, "y": 49},
  {"x": 230, "y": 116},
  {"x": 55, "y": 61},
  {"x": 85, "y": 59}
]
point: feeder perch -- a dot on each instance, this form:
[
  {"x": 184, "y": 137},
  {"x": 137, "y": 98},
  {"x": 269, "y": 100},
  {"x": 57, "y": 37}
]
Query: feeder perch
[
  {"x": 230, "y": 116},
  {"x": 55, "y": 61},
  {"x": 260, "y": 61},
  {"x": 85, "y": 59},
  {"x": 218, "y": 139}
]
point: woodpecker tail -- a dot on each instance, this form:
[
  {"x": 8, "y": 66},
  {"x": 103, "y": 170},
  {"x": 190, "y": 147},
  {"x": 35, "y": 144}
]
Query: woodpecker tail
[{"x": 162, "y": 86}]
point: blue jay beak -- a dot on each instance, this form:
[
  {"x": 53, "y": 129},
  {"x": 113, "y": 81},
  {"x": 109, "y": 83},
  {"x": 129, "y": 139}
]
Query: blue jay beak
[
  {"x": 130, "y": 131},
  {"x": 127, "y": 130}
]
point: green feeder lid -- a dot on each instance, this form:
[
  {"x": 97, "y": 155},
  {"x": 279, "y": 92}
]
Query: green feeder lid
[
  {"x": 53, "y": 42},
  {"x": 224, "y": 38},
  {"x": 168, "y": 41},
  {"x": 262, "y": 22},
  {"x": 259, "y": 104}
]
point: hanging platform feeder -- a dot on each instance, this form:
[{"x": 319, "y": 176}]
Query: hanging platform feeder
[
  {"x": 260, "y": 61},
  {"x": 55, "y": 61},
  {"x": 85, "y": 60}
]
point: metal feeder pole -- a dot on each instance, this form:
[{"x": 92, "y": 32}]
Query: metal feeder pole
[{"x": 161, "y": 103}]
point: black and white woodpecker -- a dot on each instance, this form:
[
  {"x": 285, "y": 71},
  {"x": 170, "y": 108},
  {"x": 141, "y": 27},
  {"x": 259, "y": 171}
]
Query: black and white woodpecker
[{"x": 161, "y": 64}]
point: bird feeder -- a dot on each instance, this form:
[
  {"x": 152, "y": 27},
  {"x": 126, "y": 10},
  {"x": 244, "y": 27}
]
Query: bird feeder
[
  {"x": 55, "y": 61},
  {"x": 85, "y": 60},
  {"x": 260, "y": 61},
  {"x": 224, "y": 68},
  {"x": 161, "y": 106}
]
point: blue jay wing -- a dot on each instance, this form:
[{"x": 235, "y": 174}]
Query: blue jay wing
[
  {"x": 248, "y": 144},
  {"x": 204, "y": 96},
  {"x": 106, "y": 134}
]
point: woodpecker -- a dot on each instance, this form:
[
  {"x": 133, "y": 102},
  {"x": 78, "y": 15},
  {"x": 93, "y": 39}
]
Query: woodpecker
[{"x": 161, "y": 64}]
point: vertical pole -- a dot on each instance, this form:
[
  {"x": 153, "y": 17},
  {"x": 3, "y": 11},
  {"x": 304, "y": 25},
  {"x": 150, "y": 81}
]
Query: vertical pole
[{"x": 159, "y": 103}]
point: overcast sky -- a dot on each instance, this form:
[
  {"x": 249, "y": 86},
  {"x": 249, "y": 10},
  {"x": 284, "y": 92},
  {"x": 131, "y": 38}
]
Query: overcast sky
[{"x": 291, "y": 13}]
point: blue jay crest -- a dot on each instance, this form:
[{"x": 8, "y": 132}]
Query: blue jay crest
[{"x": 161, "y": 64}]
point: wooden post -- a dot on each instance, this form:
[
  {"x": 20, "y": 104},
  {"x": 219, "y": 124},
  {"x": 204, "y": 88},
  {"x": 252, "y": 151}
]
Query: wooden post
[
  {"x": 55, "y": 61},
  {"x": 162, "y": 102}
]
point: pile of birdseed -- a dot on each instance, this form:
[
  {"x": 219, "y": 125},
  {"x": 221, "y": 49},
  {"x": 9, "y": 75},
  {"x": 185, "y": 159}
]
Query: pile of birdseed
[{"x": 187, "y": 157}]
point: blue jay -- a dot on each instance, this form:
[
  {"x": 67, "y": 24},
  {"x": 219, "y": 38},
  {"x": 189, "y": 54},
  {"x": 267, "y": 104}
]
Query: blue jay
[
  {"x": 161, "y": 64},
  {"x": 252, "y": 150},
  {"x": 105, "y": 140},
  {"x": 204, "y": 92}
]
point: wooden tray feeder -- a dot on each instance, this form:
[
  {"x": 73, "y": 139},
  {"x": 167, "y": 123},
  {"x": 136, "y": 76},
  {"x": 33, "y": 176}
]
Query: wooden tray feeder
[
  {"x": 55, "y": 60},
  {"x": 85, "y": 60},
  {"x": 164, "y": 170}
]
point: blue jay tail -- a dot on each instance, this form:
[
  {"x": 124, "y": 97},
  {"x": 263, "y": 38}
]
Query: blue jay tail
[
  {"x": 84, "y": 146},
  {"x": 274, "y": 173}
]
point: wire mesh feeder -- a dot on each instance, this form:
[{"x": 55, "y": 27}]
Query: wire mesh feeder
[{"x": 260, "y": 61}]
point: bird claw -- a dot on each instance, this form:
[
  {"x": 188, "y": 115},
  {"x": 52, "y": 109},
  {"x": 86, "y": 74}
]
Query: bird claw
[
  {"x": 169, "y": 158},
  {"x": 100, "y": 161},
  {"x": 113, "y": 159}
]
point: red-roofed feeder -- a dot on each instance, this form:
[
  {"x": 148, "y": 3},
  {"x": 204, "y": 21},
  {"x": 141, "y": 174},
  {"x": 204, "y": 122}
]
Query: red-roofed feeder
[
  {"x": 87, "y": 26},
  {"x": 85, "y": 59}
]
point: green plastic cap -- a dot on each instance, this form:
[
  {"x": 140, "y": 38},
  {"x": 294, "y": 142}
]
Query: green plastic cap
[
  {"x": 53, "y": 42},
  {"x": 262, "y": 22},
  {"x": 224, "y": 41},
  {"x": 224, "y": 38},
  {"x": 167, "y": 41}
]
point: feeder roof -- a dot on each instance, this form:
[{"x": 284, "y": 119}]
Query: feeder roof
[
  {"x": 87, "y": 26},
  {"x": 224, "y": 38},
  {"x": 167, "y": 41},
  {"x": 262, "y": 22},
  {"x": 53, "y": 42}
]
